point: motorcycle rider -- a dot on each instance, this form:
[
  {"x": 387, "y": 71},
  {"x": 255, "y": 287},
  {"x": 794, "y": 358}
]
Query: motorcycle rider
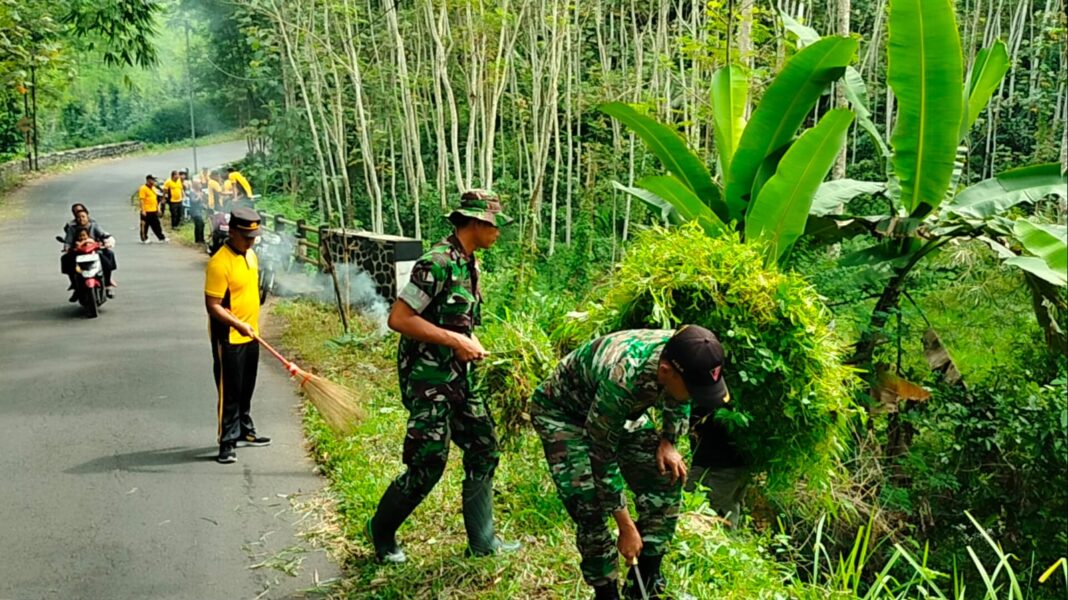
[
  {"x": 74, "y": 209},
  {"x": 107, "y": 256}
]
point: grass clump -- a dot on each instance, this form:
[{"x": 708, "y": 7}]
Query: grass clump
[
  {"x": 521, "y": 357},
  {"x": 792, "y": 393}
]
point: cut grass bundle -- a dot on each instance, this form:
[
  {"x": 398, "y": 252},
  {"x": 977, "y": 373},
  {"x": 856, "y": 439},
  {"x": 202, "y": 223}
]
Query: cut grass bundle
[
  {"x": 520, "y": 358},
  {"x": 790, "y": 389}
]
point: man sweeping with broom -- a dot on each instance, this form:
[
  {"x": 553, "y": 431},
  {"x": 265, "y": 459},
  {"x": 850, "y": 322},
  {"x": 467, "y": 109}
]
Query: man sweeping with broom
[
  {"x": 436, "y": 314},
  {"x": 232, "y": 298}
]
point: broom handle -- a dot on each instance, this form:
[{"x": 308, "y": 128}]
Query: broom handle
[
  {"x": 271, "y": 349},
  {"x": 289, "y": 365}
]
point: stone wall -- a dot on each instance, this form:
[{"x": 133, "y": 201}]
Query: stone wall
[{"x": 15, "y": 167}]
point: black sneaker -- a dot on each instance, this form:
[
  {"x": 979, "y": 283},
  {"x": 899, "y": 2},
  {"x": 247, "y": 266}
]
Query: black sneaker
[
  {"x": 73, "y": 297},
  {"x": 251, "y": 439},
  {"x": 227, "y": 454}
]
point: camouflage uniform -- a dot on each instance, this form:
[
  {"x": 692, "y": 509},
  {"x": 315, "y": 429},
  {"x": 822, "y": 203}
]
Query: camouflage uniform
[
  {"x": 436, "y": 389},
  {"x": 585, "y": 414},
  {"x": 435, "y": 386}
]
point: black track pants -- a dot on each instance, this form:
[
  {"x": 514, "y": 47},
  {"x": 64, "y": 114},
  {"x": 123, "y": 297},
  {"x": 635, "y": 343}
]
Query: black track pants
[{"x": 235, "y": 380}]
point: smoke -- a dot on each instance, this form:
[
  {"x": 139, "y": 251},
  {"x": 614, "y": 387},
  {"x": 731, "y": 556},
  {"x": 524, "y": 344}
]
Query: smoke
[{"x": 358, "y": 290}]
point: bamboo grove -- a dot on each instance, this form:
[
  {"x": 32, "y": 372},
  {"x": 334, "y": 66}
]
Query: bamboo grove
[{"x": 378, "y": 103}]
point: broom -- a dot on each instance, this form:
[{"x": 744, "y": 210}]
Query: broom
[{"x": 338, "y": 405}]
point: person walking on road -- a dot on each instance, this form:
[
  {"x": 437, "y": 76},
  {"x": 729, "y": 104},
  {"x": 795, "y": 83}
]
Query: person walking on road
[
  {"x": 232, "y": 299},
  {"x": 588, "y": 414},
  {"x": 174, "y": 190},
  {"x": 436, "y": 314},
  {"x": 148, "y": 196},
  {"x": 197, "y": 208}
]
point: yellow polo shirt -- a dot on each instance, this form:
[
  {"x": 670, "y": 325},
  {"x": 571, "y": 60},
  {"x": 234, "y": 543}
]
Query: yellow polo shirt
[
  {"x": 149, "y": 199},
  {"x": 235, "y": 279},
  {"x": 175, "y": 188},
  {"x": 239, "y": 179},
  {"x": 214, "y": 189}
]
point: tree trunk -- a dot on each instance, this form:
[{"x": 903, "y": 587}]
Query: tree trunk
[{"x": 844, "y": 7}]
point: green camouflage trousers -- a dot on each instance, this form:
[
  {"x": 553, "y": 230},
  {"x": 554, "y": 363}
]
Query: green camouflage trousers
[
  {"x": 438, "y": 413},
  {"x": 657, "y": 499}
]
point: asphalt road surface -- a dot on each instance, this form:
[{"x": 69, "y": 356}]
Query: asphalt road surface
[{"x": 108, "y": 484}]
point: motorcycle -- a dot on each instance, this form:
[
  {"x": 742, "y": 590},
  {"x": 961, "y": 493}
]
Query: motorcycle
[
  {"x": 89, "y": 277},
  {"x": 273, "y": 256},
  {"x": 220, "y": 230}
]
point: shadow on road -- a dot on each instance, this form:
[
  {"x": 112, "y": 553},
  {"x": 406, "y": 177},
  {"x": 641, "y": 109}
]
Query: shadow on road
[{"x": 145, "y": 461}]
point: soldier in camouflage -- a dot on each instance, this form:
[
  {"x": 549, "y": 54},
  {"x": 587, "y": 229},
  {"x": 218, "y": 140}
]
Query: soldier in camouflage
[
  {"x": 589, "y": 413},
  {"x": 436, "y": 314}
]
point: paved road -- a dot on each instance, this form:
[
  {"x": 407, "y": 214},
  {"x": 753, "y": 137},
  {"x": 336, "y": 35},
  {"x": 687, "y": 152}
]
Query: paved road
[{"x": 107, "y": 427}]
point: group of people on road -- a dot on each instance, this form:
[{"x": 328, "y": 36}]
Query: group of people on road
[
  {"x": 200, "y": 197},
  {"x": 593, "y": 415}
]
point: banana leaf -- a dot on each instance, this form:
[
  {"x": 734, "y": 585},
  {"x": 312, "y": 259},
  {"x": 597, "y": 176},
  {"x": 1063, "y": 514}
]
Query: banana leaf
[
  {"x": 832, "y": 195},
  {"x": 856, "y": 91},
  {"x": 730, "y": 93},
  {"x": 993, "y": 196},
  {"x": 991, "y": 65},
  {"x": 667, "y": 210},
  {"x": 1048, "y": 242},
  {"x": 672, "y": 151},
  {"x": 925, "y": 71},
  {"x": 684, "y": 201},
  {"x": 1038, "y": 267},
  {"x": 785, "y": 105},
  {"x": 779, "y": 214}
]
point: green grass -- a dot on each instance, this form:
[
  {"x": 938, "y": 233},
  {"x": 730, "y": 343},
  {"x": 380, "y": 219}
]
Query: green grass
[{"x": 706, "y": 561}]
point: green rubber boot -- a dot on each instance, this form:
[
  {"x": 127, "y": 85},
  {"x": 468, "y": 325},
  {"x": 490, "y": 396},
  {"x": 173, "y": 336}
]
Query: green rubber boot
[
  {"x": 393, "y": 509},
  {"x": 478, "y": 520},
  {"x": 608, "y": 591}
]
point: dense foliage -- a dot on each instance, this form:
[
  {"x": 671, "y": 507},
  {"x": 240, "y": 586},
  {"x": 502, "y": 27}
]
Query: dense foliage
[{"x": 791, "y": 392}]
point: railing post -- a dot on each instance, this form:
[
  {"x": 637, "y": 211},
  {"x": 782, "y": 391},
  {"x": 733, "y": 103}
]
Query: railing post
[
  {"x": 301, "y": 252},
  {"x": 322, "y": 245}
]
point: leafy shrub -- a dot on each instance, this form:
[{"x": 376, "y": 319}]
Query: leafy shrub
[
  {"x": 784, "y": 362},
  {"x": 1002, "y": 453}
]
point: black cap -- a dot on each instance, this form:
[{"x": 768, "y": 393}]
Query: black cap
[
  {"x": 698, "y": 357},
  {"x": 246, "y": 221},
  {"x": 147, "y": 177}
]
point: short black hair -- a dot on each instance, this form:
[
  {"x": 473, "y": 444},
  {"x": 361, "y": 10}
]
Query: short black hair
[
  {"x": 79, "y": 230},
  {"x": 230, "y": 169},
  {"x": 78, "y": 207}
]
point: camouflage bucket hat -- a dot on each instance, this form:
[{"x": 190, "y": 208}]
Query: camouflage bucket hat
[{"x": 482, "y": 205}]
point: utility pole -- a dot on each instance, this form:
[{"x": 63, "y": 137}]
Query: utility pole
[
  {"x": 189, "y": 88},
  {"x": 33, "y": 101}
]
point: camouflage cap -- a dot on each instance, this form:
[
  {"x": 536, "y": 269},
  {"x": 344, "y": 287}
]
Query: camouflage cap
[{"x": 482, "y": 205}]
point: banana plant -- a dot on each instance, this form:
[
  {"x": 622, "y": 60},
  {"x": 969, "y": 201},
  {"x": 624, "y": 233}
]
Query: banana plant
[
  {"x": 936, "y": 109},
  {"x": 767, "y": 177}
]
